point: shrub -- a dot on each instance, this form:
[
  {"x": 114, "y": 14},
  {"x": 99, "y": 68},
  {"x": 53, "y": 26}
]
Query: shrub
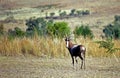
[
  {"x": 50, "y": 27},
  {"x": 86, "y": 12},
  {"x": 63, "y": 14},
  {"x": 17, "y": 32},
  {"x": 79, "y": 12},
  {"x": 58, "y": 29},
  {"x": 36, "y": 25},
  {"x": 10, "y": 19},
  {"x": 83, "y": 31},
  {"x": 52, "y": 14},
  {"x": 72, "y": 12},
  {"x": 117, "y": 18},
  {"x": 1, "y": 29},
  {"x": 109, "y": 45},
  {"x": 113, "y": 30}
]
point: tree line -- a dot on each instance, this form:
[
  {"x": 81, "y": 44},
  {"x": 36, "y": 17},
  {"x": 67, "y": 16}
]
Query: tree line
[
  {"x": 63, "y": 14},
  {"x": 43, "y": 27}
]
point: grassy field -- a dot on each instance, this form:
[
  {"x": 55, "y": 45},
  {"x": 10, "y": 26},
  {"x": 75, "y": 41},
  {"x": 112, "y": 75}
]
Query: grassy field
[
  {"x": 48, "y": 47},
  {"x": 33, "y": 67},
  {"x": 102, "y": 12},
  {"x": 48, "y": 58}
]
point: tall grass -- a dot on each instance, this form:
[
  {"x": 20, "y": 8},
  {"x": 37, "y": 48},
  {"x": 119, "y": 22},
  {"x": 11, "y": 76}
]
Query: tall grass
[
  {"x": 48, "y": 47},
  {"x": 37, "y": 46}
]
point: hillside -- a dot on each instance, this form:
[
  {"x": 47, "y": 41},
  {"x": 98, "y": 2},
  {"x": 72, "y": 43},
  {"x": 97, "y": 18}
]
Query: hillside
[{"x": 102, "y": 11}]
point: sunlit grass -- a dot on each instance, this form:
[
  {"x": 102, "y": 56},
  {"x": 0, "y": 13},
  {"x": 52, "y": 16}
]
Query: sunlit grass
[{"x": 48, "y": 47}]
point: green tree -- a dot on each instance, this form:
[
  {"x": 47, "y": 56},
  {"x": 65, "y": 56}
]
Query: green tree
[
  {"x": 52, "y": 14},
  {"x": 72, "y": 13},
  {"x": 17, "y": 32},
  {"x": 117, "y": 18},
  {"x": 50, "y": 28},
  {"x": 86, "y": 12},
  {"x": 79, "y": 12},
  {"x": 113, "y": 30},
  {"x": 83, "y": 30},
  {"x": 36, "y": 25},
  {"x": 58, "y": 29},
  {"x": 63, "y": 14}
]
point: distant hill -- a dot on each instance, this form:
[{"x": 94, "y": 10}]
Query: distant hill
[{"x": 102, "y": 11}]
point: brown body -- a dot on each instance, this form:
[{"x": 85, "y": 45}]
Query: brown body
[{"x": 76, "y": 51}]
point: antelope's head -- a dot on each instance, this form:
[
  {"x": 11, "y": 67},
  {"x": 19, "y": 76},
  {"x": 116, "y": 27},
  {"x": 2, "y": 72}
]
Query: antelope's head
[{"x": 67, "y": 39}]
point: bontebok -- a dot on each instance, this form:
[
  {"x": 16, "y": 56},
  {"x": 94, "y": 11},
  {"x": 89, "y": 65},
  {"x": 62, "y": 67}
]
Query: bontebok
[{"x": 76, "y": 51}]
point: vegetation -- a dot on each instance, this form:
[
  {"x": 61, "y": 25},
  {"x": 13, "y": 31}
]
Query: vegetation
[
  {"x": 84, "y": 31},
  {"x": 72, "y": 13},
  {"x": 52, "y": 14},
  {"x": 108, "y": 45},
  {"x": 63, "y": 14},
  {"x": 47, "y": 47},
  {"x": 36, "y": 25},
  {"x": 99, "y": 62},
  {"x": 58, "y": 29},
  {"x": 44, "y": 28},
  {"x": 1, "y": 29},
  {"x": 75, "y": 12},
  {"x": 10, "y": 19},
  {"x": 39, "y": 45},
  {"x": 17, "y": 32},
  {"x": 113, "y": 30}
]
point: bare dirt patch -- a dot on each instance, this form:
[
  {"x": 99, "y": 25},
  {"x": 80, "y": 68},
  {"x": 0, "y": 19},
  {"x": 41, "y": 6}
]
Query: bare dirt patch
[{"x": 12, "y": 67}]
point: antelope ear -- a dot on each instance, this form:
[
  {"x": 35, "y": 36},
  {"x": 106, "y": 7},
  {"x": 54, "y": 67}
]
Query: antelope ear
[
  {"x": 69, "y": 38},
  {"x": 66, "y": 39}
]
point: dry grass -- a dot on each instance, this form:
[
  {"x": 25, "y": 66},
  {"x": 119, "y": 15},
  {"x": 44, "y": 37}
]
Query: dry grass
[
  {"x": 32, "y": 67},
  {"x": 47, "y": 47},
  {"x": 105, "y": 66},
  {"x": 36, "y": 46}
]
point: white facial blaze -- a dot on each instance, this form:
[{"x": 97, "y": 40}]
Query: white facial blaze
[{"x": 67, "y": 44}]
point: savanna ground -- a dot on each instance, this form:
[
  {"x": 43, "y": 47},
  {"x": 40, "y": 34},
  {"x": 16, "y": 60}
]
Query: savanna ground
[
  {"x": 28, "y": 58},
  {"x": 98, "y": 64},
  {"x": 33, "y": 67}
]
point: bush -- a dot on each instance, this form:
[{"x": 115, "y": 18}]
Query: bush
[
  {"x": 1, "y": 29},
  {"x": 72, "y": 13},
  {"x": 117, "y": 18},
  {"x": 109, "y": 45},
  {"x": 10, "y": 19},
  {"x": 58, "y": 29},
  {"x": 79, "y": 13},
  {"x": 75, "y": 12},
  {"x": 86, "y": 12},
  {"x": 36, "y": 25},
  {"x": 63, "y": 14},
  {"x": 83, "y": 31},
  {"x": 113, "y": 30},
  {"x": 17, "y": 32},
  {"x": 52, "y": 14}
]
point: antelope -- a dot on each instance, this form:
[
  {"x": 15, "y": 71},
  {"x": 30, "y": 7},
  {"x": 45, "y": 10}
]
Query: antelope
[{"x": 76, "y": 51}]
